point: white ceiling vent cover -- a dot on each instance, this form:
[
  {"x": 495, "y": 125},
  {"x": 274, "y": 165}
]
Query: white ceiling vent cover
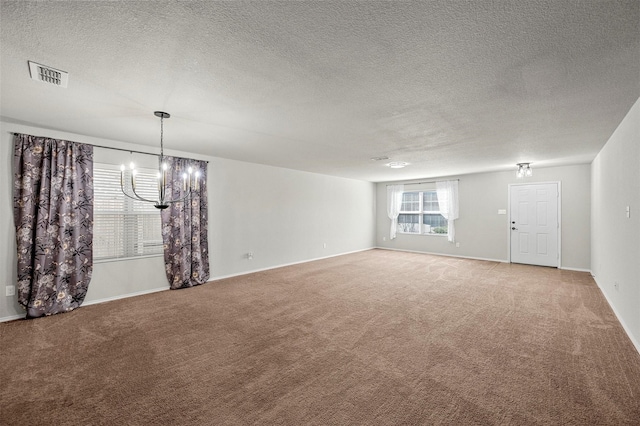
[{"x": 49, "y": 75}]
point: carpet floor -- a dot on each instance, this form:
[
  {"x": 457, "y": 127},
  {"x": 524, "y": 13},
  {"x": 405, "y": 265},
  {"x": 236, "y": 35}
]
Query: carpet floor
[{"x": 371, "y": 338}]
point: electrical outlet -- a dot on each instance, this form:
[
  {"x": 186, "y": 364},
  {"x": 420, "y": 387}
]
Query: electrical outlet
[
  {"x": 11, "y": 290},
  {"x": 384, "y": 238},
  {"x": 324, "y": 245},
  {"x": 250, "y": 255},
  {"x": 457, "y": 244}
]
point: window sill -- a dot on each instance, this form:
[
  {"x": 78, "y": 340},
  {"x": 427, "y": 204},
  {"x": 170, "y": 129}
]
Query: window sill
[
  {"x": 424, "y": 235},
  {"x": 121, "y": 259}
]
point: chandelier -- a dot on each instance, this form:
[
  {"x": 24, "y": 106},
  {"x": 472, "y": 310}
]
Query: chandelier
[
  {"x": 524, "y": 170},
  {"x": 190, "y": 179}
]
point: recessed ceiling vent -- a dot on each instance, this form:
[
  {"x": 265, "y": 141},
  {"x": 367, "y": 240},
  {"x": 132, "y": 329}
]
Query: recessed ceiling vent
[{"x": 49, "y": 75}]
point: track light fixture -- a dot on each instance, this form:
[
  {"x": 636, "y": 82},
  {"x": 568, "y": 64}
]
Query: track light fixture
[{"x": 524, "y": 170}]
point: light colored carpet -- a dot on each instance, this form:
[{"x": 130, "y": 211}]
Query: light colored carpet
[{"x": 372, "y": 338}]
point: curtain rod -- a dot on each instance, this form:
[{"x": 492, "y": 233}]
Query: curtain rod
[
  {"x": 420, "y": 183},
  {"x": 132, "y": 151},
  {"x": 119, "y": 149}
]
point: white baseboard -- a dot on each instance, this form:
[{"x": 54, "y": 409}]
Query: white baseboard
[
  {"x": 252, "y": 271},
  {"x": 620, "y": 320},
  {"x": 155, "y": 290},
  {"x": 13, "y": 317},
  {"x": 444, "y": 254},
  {"x": 95, "y": 302},
  {"x": 124, "y": 296},
  {"x": 574, "y": 269}
]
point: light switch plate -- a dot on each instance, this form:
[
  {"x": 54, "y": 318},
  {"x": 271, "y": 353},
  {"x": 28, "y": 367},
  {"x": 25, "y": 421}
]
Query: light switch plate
[{"x": 502, "y": 211}]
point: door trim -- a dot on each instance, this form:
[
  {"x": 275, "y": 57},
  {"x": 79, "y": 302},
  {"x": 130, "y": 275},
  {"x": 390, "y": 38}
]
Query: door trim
[{"x": 559, "y": 183}]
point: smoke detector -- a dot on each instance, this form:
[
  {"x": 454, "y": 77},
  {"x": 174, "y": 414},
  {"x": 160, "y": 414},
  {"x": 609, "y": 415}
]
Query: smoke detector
[{"x": 48, "y": 74}]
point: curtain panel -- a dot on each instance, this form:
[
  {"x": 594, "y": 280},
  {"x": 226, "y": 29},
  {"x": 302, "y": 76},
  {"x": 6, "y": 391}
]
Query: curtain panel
[
  {"x": 184, "y": 227},
  {"x": 447, "y": 192},
  {"x": 394, "y": 201},
  {"x": 53, "y": 217}
]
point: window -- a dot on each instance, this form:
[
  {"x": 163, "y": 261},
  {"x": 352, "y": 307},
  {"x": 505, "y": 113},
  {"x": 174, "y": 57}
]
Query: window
[
  {"x": 124, "y": 228},
  {"x": 420, "y": 214}
]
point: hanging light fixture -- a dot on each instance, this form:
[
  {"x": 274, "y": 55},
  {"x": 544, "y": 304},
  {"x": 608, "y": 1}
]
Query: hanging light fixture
[
  {"x": 524, "y": 170},
  {"x": 190, "y": 179}
]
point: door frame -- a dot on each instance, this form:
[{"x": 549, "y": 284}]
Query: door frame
[{"x": 559, "y": 183}]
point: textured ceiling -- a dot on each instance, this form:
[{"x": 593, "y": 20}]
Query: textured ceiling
[{"x": 450, "y": 87}]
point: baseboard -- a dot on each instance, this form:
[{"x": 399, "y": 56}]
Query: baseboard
[
  {"x": 13, "y": 317},
  {"x": 444, "y": 254},
  {"x": 574, "y": 269},
  {"x": 95, "y": 302},
  {"x": 620, "y": 320},
  {"x": 253, "y": 271},
  {"x": 155, "y": 290},
  {"x": 124, "y": 296}
]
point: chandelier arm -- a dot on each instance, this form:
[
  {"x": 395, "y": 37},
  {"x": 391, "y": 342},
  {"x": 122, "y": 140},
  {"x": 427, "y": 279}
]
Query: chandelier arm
[
  {"x": 137, "y": 197},
  {"x": 140, "y": 198}
]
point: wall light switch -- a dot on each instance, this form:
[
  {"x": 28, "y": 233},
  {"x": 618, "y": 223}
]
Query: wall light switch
[
  {"x": 628, "y": 211},
  {"x": 11, "y": 290},
  {"x": 502, "y": 211}
]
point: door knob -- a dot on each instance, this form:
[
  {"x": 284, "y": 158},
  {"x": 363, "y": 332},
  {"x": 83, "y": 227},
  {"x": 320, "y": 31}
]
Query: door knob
[{"x": 514, "y": 228}]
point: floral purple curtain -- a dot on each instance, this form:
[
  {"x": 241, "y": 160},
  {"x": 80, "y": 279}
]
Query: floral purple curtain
[
  {"x": 184, "y": 227},
  {"x": 53, "y": 215}
]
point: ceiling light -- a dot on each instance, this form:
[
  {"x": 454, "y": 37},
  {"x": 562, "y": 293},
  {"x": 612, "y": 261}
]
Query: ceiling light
[
  {"x": 190, "y": 180},
  {"x": 524, "y": 170},
  {"x": 397, "y": 164}
]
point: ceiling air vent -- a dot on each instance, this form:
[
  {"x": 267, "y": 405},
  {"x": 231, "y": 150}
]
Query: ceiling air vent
[{"x": 49, "y": 75}]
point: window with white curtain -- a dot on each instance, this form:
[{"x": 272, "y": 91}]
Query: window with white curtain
[
  {"x": 420, "y": 214},
  {"x": 124, "y": 228}
]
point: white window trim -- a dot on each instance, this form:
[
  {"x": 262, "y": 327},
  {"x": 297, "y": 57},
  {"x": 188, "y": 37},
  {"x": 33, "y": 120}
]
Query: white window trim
[
  {"x": 128, "y": 202},
  {"x": 420, "y": 214}
]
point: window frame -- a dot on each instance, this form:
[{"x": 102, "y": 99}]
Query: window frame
[
  {"x": 420, "y": 213},
  {"x": 130, "y": 226}
]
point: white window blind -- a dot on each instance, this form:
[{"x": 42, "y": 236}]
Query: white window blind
[{"x": 123, "y": 227}]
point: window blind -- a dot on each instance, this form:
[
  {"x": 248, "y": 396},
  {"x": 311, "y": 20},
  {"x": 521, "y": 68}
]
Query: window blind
[{"x": 123, "y": 227}]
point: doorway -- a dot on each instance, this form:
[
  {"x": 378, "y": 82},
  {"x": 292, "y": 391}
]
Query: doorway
[{"x": 534, "y": 225}]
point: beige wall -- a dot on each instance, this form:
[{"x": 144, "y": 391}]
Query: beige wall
[
  {"x": 283, "y": 216},
  {"x": 615, "y": 251},
  {"x": 483, "y": 233}
]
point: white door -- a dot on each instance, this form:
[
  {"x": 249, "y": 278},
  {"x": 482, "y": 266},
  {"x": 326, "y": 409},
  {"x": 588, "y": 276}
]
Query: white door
[{"x": 534, "y": 224}]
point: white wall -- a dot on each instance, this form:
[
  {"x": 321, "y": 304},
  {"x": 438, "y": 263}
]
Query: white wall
[
  {"x": 483, "y": 233},
  {"x": 283, "y": 216},
  {"x": 615, "y": 250}
]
